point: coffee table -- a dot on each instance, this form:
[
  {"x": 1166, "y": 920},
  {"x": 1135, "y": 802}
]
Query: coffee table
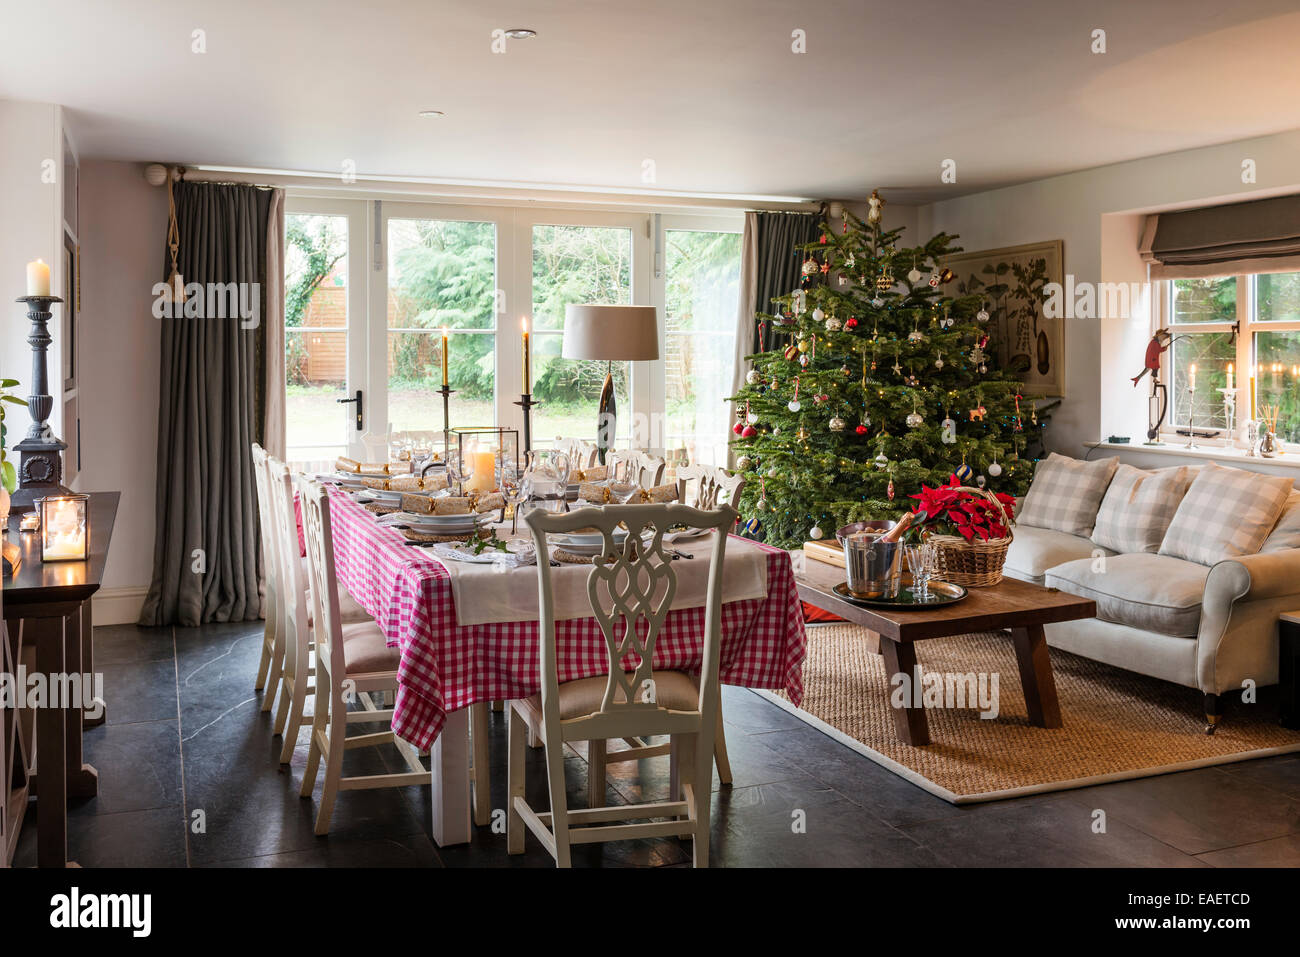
[{"x": 1013, "y": 604}]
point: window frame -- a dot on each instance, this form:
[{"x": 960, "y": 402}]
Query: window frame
[
  {"x": 368, "y": 217},
  {"x": 1247, "y": 325}
]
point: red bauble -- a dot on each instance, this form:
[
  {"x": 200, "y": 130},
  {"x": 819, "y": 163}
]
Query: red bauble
[
  {"x": 850, "y": 325},
  {"x": 738, "y": 427},
  {"x": 748, "y": 432},
  {"x": 861, "y": 430}
]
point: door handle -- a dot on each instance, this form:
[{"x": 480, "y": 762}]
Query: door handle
[{"x": 360, "y": 408}]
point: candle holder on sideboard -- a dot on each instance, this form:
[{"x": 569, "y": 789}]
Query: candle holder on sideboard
[{"x": 40, "y": 467}]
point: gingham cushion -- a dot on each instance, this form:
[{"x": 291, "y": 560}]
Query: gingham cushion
[
  {"x": 1066, "y": 493},
  {"x": 1138, "y": 507},
  {"x": 1225, "y": 513},
  {"x": 1286, "y": 533}
]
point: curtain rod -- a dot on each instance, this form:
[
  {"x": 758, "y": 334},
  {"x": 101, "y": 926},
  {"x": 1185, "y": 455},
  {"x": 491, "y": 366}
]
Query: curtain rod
[{"x": 496, "y": 193}]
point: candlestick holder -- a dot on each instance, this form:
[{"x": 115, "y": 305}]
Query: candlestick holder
[
  {"x": 526, "y": 403},
  {"x": 446, "y": 392},
  {"x": 40, "y": 468},
  {"x": 1191, "y": 417},
  {"x": 1230, "y": 417}
]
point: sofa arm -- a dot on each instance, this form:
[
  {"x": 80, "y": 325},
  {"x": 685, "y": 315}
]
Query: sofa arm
[{"x": 1237, "y": 638}]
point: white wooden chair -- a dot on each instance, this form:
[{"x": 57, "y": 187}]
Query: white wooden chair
[
  {"x": 715, "y": 487},
  {"x": 269, "y": 668},
  {"x": 582, "y": 454},
  {"x": 627, "y": 582},
  {"x": 640, "y": 467},
  {"x": 354, "y": 659}
]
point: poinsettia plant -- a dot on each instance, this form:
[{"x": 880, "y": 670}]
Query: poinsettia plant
[{"x": 950, "y": 510}]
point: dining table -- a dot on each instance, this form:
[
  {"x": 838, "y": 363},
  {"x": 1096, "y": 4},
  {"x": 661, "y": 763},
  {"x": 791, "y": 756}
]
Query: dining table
[{"x": 453, "y": 657}]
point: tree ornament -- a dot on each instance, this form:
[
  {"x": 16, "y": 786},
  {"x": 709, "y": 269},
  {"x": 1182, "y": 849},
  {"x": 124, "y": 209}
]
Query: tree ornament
[
  {"x": 744, "y": 462},
  {"x": 995, "y": 469},
  {"x": 799, "y": 301},
  {"x": 752, "y": 377},
  {"x": 916, "y": 335},
  {"x": 794, "y": 405},
  {"x": 790, "y": 351},
  {"x": 948, "y": 435},
  {"x": 978, "y": 413},
  {"x": 882, "y": 461},
  {"x": 982, "y": 315},
  {"x": 833, "y": 324},
  {"x": 751, "y": 417},
  {"x": 738, "y": 427},
  {"x": 962, "y": 472},
  {"x": 752, "y": 526},
  {"x": 885, "y": 281},
  {"x": 861, "y": 428},
  {"x": 809, "y": 266},
  {"x": 816, "y": 533},
  {"x": 818, "y": 315},
  {"x": 845, "y": 371},
  {"x": 914, "y": 420},
  {"x": 836, "y": 424},
  {"x": 748, "y": 432},
  {"x": 889, "y": 489},
  {"x": 850, "y": 324},
  {"x": 875, "y": 207},
  {"x": 878, "y": 302},
  {"x": 938, "y": 363},
  {"x": 804, "y": 345},
  {"x": 933, "y": 280},
  {"x": 946, "y": 275},
  {"x": 912, "y": 380},
  {"x": 802, "y": 434},
  {"x": 980, "y": 481},
  {"x": 914, "y": 276},
  {"x": 771, "y": 472}
]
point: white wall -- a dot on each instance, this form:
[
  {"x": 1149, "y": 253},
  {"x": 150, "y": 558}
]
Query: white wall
[
  {"x": 1101, "y": 355},
  {"x": 123, "y": 228},
  {"x": 31, "y": 227}
]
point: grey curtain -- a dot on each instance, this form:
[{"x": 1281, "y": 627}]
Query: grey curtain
[
  {"x": 1260, "y": 236},
  {"x": 769, "y": 267},
  {"x": 207, "y": 550}
]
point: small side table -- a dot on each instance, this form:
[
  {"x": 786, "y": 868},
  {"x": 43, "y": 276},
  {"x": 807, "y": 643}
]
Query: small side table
[{"x": 1288, "y": 670}]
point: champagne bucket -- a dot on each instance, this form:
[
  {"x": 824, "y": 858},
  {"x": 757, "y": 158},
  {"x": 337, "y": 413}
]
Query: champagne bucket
[{"x": 874, "y": 568}]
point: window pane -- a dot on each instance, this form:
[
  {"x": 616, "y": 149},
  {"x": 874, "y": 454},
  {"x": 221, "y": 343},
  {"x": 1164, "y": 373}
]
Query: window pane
[
  {"x": 580, "y": 264},
  {"x": 1278, "y": 382},
  {"x": 415, "y": 375},
  {"x": 1277, "y": 297},
  {"x": 315, "y": 379},
  {"x": 316, "y": 298},
  {"x": 441, "y": 273},
  {"x": 569, "y": 393},
  {"x": 1203, "y": 300},
  {"x": 1210, "y": 352},
  {"x": 702, "y": 285}
]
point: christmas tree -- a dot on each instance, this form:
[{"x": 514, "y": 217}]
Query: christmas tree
[{"x": 877, "y": 383}]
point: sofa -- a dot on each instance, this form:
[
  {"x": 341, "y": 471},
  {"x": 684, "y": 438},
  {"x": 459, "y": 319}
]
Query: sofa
[{"x": 1209, "y": 624}]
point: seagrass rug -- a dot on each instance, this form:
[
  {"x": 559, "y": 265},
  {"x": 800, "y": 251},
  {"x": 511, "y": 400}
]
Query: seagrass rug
[{"x": 1117, "y": 724}]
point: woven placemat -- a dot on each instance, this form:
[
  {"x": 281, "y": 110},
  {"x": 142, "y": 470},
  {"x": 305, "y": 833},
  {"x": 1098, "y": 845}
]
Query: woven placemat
[
  {"x": 413, "y": 536},
  {"x": 381, "y": 508},
  {"x": 560, "y": 555}
]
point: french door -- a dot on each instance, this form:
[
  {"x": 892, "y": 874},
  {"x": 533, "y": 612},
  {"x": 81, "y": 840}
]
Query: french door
[{"x": 375, "y": 289}]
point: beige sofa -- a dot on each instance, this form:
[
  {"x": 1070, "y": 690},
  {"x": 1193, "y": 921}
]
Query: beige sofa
[{"x": 1207, "y": 627}]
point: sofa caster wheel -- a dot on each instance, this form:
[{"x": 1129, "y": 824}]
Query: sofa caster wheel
[{"x": 1209, "y": 729}]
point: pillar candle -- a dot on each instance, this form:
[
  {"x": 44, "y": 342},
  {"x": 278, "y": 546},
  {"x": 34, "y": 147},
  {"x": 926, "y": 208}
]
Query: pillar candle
[
  {"x": 38, "y": 278},
  {"x": 444, "y": 355},
  {"x": 484, "y": 478}
]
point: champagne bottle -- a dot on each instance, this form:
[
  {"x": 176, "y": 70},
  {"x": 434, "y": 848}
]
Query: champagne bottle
[{"x": 896, "y": 533}]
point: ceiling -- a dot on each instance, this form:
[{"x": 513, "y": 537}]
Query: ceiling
[{"x": 709, "y": 90}]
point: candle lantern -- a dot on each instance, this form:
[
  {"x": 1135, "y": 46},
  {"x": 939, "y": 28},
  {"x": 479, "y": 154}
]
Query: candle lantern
[
  {"x": 65, "y": 527},
  {"x": 494, "y": 446}
]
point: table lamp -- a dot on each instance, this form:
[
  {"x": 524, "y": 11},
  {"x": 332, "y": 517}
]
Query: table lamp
[{"x": 612, "y": 334}]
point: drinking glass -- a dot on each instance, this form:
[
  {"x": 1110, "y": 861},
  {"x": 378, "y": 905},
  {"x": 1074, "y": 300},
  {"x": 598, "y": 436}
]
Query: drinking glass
[
  {"x": 460, "y": 464},
  {"x": 513, "y": 488},
  {"x": 921, "y": 560}
]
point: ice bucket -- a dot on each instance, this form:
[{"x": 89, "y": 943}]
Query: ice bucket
[{"x": 874, "y": 568}]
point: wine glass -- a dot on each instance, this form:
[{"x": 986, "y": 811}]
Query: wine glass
[
  {"x": 921, "y": 560},
  {"x": 513, "y": 490},
  {"x": 461, "y": 464}
]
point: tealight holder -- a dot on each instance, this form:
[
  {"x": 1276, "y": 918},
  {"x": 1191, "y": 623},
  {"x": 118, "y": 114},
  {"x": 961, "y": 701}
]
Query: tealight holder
[{"x": 64, "y": 527}]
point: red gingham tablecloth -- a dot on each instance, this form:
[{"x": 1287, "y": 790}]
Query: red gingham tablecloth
[{"x": 446, "y": 666}]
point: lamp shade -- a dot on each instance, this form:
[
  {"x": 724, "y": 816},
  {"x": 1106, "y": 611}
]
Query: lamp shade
[{"x": 611, "y": 333}]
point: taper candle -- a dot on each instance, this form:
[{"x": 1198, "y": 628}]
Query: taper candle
[
  {"x": 38, "y": 278},
  {"x": 1191, "y": 377},
  {"x": 528, "y": 378},
  {"x": 444, "y": 355},
  {"x": 1229, "y": 376}
]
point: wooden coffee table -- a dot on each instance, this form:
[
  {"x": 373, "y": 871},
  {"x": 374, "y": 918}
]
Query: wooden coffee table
[{"x": 1012, "y": 604}]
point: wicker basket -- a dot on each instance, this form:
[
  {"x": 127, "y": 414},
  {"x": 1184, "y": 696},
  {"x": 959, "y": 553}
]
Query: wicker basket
[{"x": 974, "y": 564}]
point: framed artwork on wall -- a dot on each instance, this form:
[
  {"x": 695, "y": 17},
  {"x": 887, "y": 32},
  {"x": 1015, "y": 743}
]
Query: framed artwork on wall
[
  {"x": 1011, "y": 281},
  {"x": 71, "y": 310}
]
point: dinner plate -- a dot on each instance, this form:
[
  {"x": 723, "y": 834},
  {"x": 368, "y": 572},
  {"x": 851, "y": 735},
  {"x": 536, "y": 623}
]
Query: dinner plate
[
  {"x": 588, "y": 538},
  {"x": 592, "y": 548}
]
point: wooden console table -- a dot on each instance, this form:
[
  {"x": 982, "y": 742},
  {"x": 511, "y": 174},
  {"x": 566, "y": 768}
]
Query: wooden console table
[{"x": 46, "y": 607}]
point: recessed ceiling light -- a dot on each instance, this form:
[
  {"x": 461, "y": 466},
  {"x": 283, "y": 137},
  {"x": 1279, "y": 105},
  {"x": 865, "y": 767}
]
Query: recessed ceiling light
[
  {"x": 429, "y": 113},
  {"x": 520, "y": 34}
]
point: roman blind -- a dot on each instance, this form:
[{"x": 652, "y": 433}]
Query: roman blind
[{"x": 1260, "y": 236}]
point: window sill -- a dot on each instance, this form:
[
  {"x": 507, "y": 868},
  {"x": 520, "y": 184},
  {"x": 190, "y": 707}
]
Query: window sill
[{"x": 1286, "y": 460}]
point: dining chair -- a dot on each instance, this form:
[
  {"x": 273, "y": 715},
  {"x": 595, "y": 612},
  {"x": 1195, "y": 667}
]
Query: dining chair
[
  {"x": 641, "y": 468},
  {"x": 271, "y": 567},
  {"x": 714, "y": 486},
  {"x": 354, "y": 660},
  {"x": 628, "y": 583}
]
